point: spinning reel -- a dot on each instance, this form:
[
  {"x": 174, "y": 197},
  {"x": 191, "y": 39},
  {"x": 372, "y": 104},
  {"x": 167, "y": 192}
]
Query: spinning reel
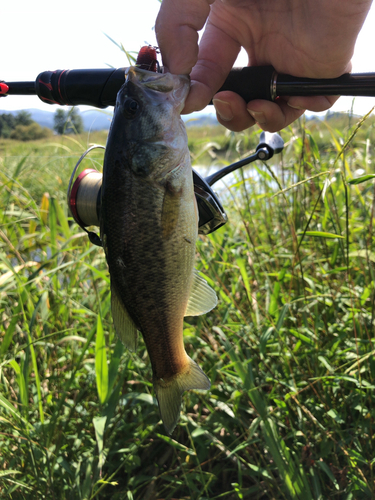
[{"x": 84, "y": 194}]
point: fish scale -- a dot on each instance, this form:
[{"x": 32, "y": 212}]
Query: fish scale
[
  {"x": 148, "y": 294},
  {"x": 149, "y": 227}
]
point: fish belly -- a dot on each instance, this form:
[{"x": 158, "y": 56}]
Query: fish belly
[{"x": 150, "y": 237}]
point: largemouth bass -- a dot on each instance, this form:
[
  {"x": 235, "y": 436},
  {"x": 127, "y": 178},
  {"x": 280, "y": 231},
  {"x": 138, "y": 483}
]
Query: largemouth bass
[{"x": 149, "y": 227}]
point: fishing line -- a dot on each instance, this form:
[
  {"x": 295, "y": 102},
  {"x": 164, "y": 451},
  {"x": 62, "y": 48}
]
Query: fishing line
[{"x": 71, "y": 198}]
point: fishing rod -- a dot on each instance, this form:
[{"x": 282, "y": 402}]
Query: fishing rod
[{"x": 99, "y": 87}]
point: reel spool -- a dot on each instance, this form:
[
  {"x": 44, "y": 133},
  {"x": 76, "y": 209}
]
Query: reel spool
[
  {"x": 84, "y": 201},
  {"x": 83, "y": 197}
]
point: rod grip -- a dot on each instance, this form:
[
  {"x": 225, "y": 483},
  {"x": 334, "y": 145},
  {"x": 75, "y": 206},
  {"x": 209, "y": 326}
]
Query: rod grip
[
  {"x": 94, "y": 87},
  {"x": 99, "y": 87},
  {"x": 256, "y": 82}
]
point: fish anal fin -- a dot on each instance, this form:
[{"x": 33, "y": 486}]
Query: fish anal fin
[
  {"x": 202, "y": 297},
  {"x": 125, "y": 327},
  {"x": 169, "y": 392}
]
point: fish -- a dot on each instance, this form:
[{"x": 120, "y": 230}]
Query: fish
[{"x": 149, "y": 228}]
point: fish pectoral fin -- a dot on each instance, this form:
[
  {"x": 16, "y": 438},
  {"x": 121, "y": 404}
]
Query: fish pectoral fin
[
  {"x": 169, "y": 392},
  {"x": 202, "y": 297},
  {"x": 125, "y": 327}
]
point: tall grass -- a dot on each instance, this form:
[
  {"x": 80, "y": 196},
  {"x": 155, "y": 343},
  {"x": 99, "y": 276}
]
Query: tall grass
[{"x": 289, "y": 349}]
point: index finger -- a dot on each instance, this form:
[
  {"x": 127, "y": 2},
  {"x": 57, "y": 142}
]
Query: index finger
[
  {"x": 176, "y": 29},
  {"x": 217, "y": 54}
]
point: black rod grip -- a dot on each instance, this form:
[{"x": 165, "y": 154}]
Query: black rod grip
[
  {"x": 94, "y": 87},
  {"x": 254, "y": 82}
]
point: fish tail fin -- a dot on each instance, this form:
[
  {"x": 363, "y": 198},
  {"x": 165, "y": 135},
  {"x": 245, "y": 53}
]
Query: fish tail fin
[{"x": 169, "y": 392}]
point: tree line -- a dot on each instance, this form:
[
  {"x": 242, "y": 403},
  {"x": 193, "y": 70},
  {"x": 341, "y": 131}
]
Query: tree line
[{"x": 22, "y": 127}]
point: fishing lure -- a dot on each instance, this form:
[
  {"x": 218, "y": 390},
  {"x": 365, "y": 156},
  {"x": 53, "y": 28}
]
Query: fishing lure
[{"x": 147, "y": 59}]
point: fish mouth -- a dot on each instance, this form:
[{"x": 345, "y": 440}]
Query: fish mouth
[{"x": 163, "y": 83}]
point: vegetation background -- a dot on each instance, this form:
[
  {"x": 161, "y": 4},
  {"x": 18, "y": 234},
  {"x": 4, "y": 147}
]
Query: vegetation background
[
  {"x": 20, "y": 125},
  {"x": 289, "y": 349}
]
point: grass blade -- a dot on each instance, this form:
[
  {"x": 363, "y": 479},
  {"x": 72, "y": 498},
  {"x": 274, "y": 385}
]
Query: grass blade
[{"x": 101, "y": 366}]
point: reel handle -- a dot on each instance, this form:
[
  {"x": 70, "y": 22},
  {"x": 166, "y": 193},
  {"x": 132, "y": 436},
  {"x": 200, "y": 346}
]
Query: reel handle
[{"x": 99, "y": 87}]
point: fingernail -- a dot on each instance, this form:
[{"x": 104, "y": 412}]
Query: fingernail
[
  {"x": 258, "y": 116},
  {"x": 223, "y": 109}
]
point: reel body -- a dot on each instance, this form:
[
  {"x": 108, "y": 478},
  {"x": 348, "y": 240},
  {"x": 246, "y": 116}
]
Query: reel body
[{"x": 84, "y": 201}]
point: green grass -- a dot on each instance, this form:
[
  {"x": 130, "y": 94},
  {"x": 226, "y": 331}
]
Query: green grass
[{"x": 289, "y": 349}]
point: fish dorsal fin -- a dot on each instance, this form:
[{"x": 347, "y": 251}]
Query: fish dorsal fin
[
  {"x": 124, "y": 325},
  {"x": 202, "y": 297}
]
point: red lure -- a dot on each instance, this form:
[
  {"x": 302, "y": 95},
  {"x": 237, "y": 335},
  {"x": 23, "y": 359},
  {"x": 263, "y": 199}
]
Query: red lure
[{"x": 147, "y": 58}]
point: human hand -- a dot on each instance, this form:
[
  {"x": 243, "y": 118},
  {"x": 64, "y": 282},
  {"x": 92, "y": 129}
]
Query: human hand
[{"x": 313, "y": 39}]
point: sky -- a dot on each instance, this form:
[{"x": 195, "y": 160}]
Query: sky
[{"x": 39, "y": 35}]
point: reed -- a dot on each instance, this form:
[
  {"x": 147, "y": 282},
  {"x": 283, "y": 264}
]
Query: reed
[{"x": 289, "y": 349}]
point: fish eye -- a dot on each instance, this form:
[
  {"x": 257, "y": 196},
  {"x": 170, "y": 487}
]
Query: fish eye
[{"x": 130, "y": 107}]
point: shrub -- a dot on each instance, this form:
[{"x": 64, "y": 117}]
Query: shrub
[{"x": 30, "y": 132}]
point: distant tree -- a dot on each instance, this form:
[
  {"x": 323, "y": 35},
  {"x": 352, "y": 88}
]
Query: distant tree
[
  {"x": 66, "y": 122},
  {"x": 23, "y": 118},
  {"x": 76, "y": 121},
  {"x": 30, "y": 132},
  {"x": 7, "y": 124},
  {"x": 59, "y": 121}
]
